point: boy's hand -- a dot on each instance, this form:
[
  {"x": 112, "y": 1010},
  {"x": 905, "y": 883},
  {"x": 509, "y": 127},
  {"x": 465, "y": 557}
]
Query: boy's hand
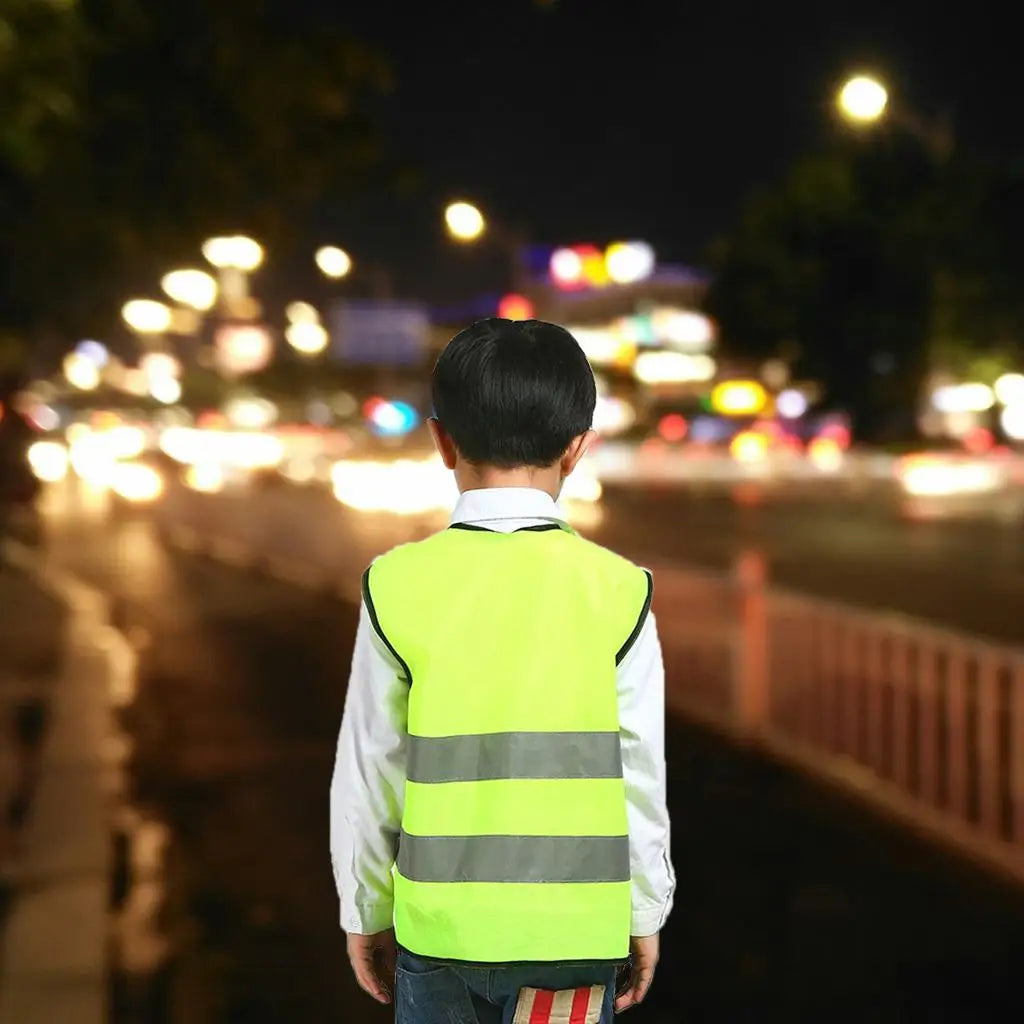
[
  {"x": 643, "y": 957},
  {"x": 362, "y": 952}
]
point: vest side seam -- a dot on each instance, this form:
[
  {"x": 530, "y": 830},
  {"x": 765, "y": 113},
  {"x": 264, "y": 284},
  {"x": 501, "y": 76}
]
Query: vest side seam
[
  {"x": 641, "y": 619},
  {"x": 375, "y": 622}
]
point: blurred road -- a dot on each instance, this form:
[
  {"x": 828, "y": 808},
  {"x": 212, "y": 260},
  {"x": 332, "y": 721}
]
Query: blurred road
[
  {"x": 791, "y": 906},
  {"x": 967, "y": 573}
]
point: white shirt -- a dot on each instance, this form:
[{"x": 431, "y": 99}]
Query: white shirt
[{"x": 368, "y": 786}]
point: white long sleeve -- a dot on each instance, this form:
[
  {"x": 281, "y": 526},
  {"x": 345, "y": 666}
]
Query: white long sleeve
[
  {"x": 641, "y": 685},
  {"x": 368, "y": 784}
]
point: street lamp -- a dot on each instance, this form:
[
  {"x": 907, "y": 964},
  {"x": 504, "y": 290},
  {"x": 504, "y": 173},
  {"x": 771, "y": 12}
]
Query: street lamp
[
  {"x": 465, "y": 222},
  {"x": 333, "y": 262},
  {"x": 863, "y": 99},
  {"x": 234, "y": 256},
  {"x": 193, "y": 288},
  {"x": 146, "y": 316},
  {"x": 237, "y": 252},
  {"x": 308, "y": 338}
]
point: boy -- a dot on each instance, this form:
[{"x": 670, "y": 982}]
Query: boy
[{"x": 498, "y": 800}]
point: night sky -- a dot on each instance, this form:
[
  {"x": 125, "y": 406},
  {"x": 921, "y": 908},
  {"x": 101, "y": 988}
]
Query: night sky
[{"x": 583, "y": 120}]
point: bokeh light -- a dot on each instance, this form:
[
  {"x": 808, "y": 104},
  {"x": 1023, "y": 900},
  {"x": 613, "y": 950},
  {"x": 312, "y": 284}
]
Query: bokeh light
[{"x": 333, "y": 262}]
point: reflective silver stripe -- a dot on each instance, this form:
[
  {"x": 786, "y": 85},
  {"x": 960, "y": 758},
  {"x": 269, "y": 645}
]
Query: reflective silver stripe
[
  {"x": 514, "y": 755},
  {"x": 514, "y": 858}
]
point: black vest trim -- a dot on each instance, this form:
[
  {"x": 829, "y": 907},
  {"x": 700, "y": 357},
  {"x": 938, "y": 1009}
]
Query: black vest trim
[
  {"x": 368, "y": 599},
  {"x": 631, "y": 639}
]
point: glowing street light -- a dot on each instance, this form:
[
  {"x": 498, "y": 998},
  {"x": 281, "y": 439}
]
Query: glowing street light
[
  {"x": 193, "y": 288},
  {"x": 333, "y": 262},
  {"x": 237, "y": 252},
  {"x": 81, "y": 372},
  {"x": 863, "y": 99},
  {"x": 301, "y": 313},
  {"x": 308, "y": 338},
  {"x": 146, "y": 316},
  {"x": 464, "y": 221}
]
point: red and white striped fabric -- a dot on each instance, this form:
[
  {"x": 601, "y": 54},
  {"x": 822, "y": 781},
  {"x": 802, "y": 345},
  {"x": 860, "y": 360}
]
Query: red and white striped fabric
[{"x": 573, "y": 1006}]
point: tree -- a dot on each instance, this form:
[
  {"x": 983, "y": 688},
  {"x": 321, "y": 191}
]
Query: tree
[
  {"x": 135, "y": 129},
  {"x": 868, "y": 263}
]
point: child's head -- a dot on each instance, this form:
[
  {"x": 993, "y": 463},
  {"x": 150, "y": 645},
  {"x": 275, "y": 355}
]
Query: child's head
[{"x": 514, "y": 401}]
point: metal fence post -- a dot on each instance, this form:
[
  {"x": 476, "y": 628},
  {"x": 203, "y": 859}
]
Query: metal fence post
[{"x": 750, "y": 693}]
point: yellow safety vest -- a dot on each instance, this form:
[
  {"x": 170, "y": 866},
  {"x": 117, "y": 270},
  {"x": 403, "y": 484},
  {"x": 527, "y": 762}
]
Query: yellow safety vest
[{"x": 514, "y": 843}]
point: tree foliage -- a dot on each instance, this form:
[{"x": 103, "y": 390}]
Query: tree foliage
[
  {"x": 868, "y": 263},
  {"x": 130, "y": 130}
]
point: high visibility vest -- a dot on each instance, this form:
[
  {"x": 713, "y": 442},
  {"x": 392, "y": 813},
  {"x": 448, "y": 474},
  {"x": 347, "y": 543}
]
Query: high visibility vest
[{"x": 514, "y": 843}]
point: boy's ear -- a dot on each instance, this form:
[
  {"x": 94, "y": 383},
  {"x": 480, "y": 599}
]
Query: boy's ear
[
  {"x": 443, "y": 443},
  {"x": 576, "y": 450}
]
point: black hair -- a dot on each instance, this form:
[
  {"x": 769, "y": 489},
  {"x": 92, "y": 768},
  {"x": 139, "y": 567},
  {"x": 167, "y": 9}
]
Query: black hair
[{"x": 513, "y": 392}]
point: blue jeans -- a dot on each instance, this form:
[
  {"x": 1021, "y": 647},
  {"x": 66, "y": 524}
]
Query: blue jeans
[{"x": 431, "y": 992}]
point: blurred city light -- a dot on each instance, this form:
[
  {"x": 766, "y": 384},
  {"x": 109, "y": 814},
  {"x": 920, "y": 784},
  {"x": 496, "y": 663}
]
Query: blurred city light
[
  {"x": 464, "y": 221},
  {"x": 242, "y": 348},
  {"x": 81, "y": 373},
  {"x": 1011, "y": 419},
  {"x": 826, "y": 454},
  {"x": 739, "y": 398},
  {"x": 333, "y": 262},
  {"x": 515, "y": 307},
  {"x": 863, "y": 99},
  {"x": 791, "y": 404},
  {"x": 238, "y": 252},
  {"x": 402, "y": 487},
  {"x": 1009, "y": 389},
  {"x": 581, "y": 486},
  {"x": 251, "y": 413},
  {"x": 49, "y": 460},
  {"x": 302, "y": 313},
  {"x": 628, "y": 262},
  {"x": 135, "y": 482},
  {"x": 683, "y": 328},
  {"x": 146, "y": 316},
  {"x": 96, "y": 352},
  {"x": 184, "y": 320},
  {"x": 775, "y": 374},
  {"x": 602, "y": 347},
  {"x": 156, "y": 365},
  {"x": 165, "y": 389},
  {"x": 749, "y": 446},
  {"x": 613, "y": 415},
  {"x": 673, "y": 427},
  {"x": 193, "y": 288},
  {"x": 43, "y": 416},
  {"x": 594, "y": 267},
  {"x": 979, "y": 440},
  {"x": 307, "y": 338},
  {"x": 566, "y": 268},
  {"x": 933, "y": 475},
  {"x": 207, "y": 477},
  {"x": 390, "y": 419},
  {"x": 836, "y": 431},
  {"x": 960, "y": 398},
  {"x": 673, "y": 367}
]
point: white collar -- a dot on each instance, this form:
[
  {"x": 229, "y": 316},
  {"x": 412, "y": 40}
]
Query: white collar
[{"x": 488, "y": 504}]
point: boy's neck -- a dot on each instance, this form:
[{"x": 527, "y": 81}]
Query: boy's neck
[{"x": 546, "y": 478}]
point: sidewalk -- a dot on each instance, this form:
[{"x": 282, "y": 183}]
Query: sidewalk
[{"x": 56, "y": 659}]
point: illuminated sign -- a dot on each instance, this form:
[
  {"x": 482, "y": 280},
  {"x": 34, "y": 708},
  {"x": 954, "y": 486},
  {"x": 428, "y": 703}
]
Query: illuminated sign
[{"x": 586, "y": 266}]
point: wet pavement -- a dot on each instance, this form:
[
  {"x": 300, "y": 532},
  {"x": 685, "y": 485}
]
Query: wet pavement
[{"x": 792, "y": 906}]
